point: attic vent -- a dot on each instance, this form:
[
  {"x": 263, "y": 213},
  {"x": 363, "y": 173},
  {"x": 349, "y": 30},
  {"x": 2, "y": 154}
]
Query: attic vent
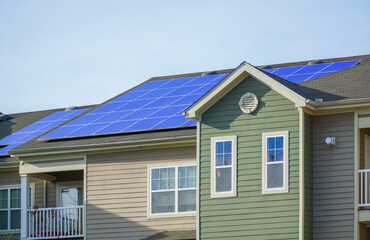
[
  {"x": 248, "y": 103},
  {"x": 313, "y": 62},
  {"x": 209, "y": 73},
  {"x": 72, "y": 108},
  {"x": 3, "y": 117}
]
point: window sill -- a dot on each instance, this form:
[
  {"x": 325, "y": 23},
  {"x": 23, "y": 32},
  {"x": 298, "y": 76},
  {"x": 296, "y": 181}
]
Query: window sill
[
  {"x": 266, "y": 192},
  {"x": 8, "y": 232},
  {"x": 172, "y": 215}
]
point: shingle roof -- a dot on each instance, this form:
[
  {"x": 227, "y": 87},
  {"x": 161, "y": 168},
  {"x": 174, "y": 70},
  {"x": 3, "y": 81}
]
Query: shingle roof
[
  {"x": 19, "y": 121},
  {"x": 335, "y": 86}
]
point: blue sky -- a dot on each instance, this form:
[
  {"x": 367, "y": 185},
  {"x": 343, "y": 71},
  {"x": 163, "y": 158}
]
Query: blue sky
[{"x": 73, "y": 52}]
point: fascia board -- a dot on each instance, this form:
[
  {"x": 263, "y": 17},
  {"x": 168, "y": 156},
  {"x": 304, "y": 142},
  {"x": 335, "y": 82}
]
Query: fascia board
[{"x": 240, "y": 73}]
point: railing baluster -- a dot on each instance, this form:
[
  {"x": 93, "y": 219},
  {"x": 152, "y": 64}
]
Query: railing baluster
[
  {"x": 55, "y": 223},
  {"x": 361, "y": 188}
]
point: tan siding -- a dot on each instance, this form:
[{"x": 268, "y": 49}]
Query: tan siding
[
  {"x": 117, "y": 194},
  {"x": 333, "y": 183}
]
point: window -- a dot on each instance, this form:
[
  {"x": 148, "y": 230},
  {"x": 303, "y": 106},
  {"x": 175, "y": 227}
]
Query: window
[
  {"x": 275, "y": 162},
  {"x": 223, "y": 158},
  {"x": 10, "y": 208},
  {"x": 172, "y": 189}
]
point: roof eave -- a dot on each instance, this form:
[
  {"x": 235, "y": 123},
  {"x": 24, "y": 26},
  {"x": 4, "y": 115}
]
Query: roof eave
[
  {"x": 189, "y": 139},
  {"x": 244, "y": 70}
]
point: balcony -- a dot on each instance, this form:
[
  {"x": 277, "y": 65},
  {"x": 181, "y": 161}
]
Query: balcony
[{"x": 56, "y": 223}]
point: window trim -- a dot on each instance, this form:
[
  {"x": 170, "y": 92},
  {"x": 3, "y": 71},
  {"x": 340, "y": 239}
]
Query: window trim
[
  {"x": 9, "y": 187},
  {"x": 232, "y": 193},
  {"x": 149, "y": 190},
  {"x": 285, "y": 188}
]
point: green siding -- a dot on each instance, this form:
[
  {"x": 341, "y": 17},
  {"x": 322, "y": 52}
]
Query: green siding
[
  {"x": 250, "y": 215},
  {"x": 308, "y": 165}
]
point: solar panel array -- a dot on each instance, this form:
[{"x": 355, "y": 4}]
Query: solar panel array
[
  {"x": 159, "y": 104},
  {"x": 298, "y": 74},
  {"x": 153, "y": 105},
  {"x": 36, "y": 129}
]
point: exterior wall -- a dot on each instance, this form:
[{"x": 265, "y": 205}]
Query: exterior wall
[
  {"x": 117, "y": 194},
  {"x": 308, "y": 168},
  {"x": 333, "y": 184},
  {"x": 250, "y": 215}
]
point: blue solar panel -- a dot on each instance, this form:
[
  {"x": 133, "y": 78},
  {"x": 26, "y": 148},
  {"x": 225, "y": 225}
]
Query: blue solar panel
[
  {"x": 36, "y": 129},
  {"x": 153, "y": 105},
  {"x": 298, "y": 74}
]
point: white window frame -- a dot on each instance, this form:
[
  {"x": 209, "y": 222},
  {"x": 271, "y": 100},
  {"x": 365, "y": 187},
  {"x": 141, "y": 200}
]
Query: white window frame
[
  {"x": 232, "y": 192},
  {"x": 9, "y": 188},
  {"x": 285, "y": 188},
  {"x": 176, "y": 213}
]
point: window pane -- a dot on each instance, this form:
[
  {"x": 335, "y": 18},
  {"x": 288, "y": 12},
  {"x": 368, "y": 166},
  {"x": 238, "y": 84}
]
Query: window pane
[
  {"x": 227, "y": 159},
  {"x": 271, "y": 156},
  {"x": 3, "y": 220},
  {"x": 223, "y": 180},
  {"x": 4, "y": 199},
  {"x": 270, "y": 143},
  {"x": 275, "y": 175},
  {"x": 219, "y": 159},
  {"x": 187, "y": 177},
  {"x": 163, "y": 202},
  {"x": 187, "y": 200},
  {"x": 15, "y": 219},
  {"x": 227, "y": 147},
  {"x": 280, "y": 142},
  {"x": 219, "y": 147},
  {"x": 15, "y": 198},
  {"x": 155, "y": 173},
  {"x": 155, "y": 184},
  {"x": 279, "y": 155}
]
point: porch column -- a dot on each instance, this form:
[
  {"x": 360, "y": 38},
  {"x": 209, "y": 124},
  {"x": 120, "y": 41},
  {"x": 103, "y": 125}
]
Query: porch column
[{"x": 25, "y": 188}]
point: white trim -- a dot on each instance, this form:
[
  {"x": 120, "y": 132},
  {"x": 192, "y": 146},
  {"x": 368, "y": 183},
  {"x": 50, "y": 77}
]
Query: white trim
[
  {"x": 234, "y": 154},
  {"x": 285, "y": 188},
  {"x": 301, "y": 173},
  {"x": 239, "y": 74},
  {"x": 356, "y": 164},
  {"x": 198, "y": 183},
  {"x": 176, "y": 213}
]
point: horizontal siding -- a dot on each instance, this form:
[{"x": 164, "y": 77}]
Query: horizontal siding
[
  {"x": 117, "y": 194},
  {"x": 250, "y": 215},
  {"x": 333, "y": 182}
]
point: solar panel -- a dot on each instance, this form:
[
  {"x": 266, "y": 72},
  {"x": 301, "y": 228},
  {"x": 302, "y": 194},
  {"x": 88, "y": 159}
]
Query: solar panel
[
  {"x": 36, "y": 129},
  {"x": 158, "y": 104},
  {"x": 298, "y": 74},
  {"x": 153, "y": 105}
]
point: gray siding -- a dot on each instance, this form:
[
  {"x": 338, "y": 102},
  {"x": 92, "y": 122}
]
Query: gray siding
[
  {"x": 117, "y": 191},
  {"x": 333, "y": 182}
]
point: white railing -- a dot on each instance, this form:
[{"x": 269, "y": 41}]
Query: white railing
[
  {"x": 364, "y": 187},
  {"x": 55, "y": 223}
]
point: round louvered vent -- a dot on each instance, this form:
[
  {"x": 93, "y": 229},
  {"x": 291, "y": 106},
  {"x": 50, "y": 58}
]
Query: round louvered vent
[{"x": 248, "y": 102}]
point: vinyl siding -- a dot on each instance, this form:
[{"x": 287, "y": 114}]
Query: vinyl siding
[
  {"x": 117, "y": 193},
  {"x": 250, "y": 215},
  {"x": 308, "y": 168},
  {"x": 333, "y": 182}
]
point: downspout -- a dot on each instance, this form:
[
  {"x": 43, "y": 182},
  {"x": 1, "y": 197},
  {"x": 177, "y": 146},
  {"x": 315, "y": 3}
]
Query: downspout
[{"x": 301, "y": 173}]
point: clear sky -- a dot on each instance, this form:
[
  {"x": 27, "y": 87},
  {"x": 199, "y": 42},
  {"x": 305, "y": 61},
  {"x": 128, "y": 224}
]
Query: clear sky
[{"x": 77, "y": 52}]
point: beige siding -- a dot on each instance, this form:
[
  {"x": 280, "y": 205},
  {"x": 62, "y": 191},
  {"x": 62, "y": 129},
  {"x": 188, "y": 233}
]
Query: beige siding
[
  {"x": 117, "y": 194},
  {"x": 333, "y": 183}
]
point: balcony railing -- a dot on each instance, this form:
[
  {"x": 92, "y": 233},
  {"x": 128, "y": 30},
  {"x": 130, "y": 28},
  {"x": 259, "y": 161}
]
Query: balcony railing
[
  {"x": 364, "y": 187},
  {"x": 55, "y": 223}
]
